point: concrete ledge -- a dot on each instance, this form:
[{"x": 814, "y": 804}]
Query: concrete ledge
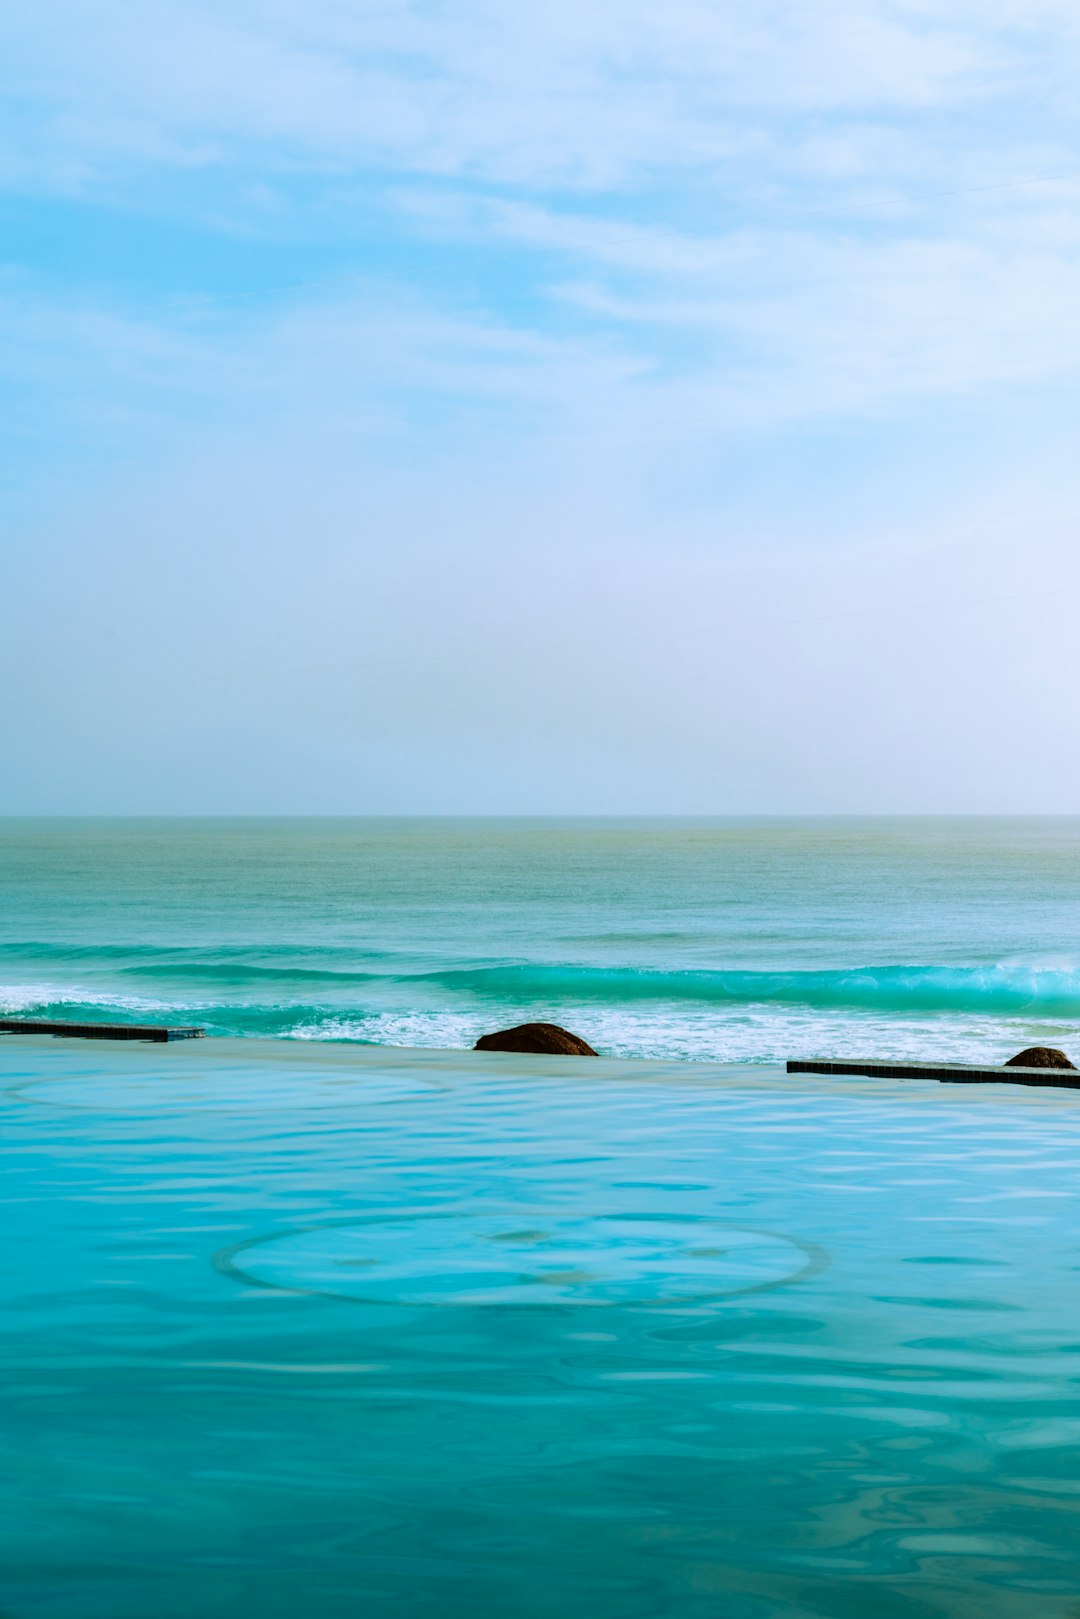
[
  {"x": 947, "y": 1072},
  {"x": 98, "y": 1031}
]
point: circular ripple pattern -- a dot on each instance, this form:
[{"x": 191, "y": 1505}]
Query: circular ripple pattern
[{"x": 484, "y": 1257}]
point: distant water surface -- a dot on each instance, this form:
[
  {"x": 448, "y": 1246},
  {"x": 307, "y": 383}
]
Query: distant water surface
[{"x": 731, "y": 940}]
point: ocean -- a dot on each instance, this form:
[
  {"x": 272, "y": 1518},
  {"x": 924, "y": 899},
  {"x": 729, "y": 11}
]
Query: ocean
[{"x": 711, "y": 940}]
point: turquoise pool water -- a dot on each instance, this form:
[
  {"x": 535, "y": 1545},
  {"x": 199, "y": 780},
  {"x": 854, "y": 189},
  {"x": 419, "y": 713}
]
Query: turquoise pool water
[{"x": 331, "y": 1330}]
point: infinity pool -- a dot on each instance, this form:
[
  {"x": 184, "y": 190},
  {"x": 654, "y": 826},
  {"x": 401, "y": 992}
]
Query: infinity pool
[{"x": 344, "y": 1331}]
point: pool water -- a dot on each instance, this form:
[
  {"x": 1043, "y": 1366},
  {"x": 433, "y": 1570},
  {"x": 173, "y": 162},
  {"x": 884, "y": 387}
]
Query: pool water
[{"x": 344, "y": 1331}]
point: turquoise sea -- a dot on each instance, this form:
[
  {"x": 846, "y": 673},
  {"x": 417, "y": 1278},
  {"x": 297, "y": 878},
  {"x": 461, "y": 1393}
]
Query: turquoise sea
[
  {"x": 300, "y": 1321},
  {"x": 745, "y": 941}
]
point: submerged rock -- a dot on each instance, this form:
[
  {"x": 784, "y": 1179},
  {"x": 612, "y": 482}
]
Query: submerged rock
[
  {"x": 1040, "y": 1057},
  {"x": 546, "y": 1039}
]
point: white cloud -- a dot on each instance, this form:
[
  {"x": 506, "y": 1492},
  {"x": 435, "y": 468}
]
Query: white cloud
[
  {"x": 576, "y": 91},
  {"x": 667, "y": 338},
  {"x": 787, "y": 323}
]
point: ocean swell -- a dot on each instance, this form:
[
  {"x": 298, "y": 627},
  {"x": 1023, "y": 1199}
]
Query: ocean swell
[
  {"x": 958, "y": 1013},
  {"x": 1003, "y": 990},
  {"x": 996, "y": 989}
]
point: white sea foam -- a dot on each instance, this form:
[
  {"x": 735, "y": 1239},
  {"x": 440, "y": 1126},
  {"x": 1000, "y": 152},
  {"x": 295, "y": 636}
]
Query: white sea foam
[
  {"x": 754, "y": 1034},
  {"x": 438, "y": 1030},
  {"x": 18, "y": 998}
]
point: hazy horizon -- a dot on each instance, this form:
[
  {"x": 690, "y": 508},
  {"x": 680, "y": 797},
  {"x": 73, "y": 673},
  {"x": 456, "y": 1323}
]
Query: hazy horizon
[
  {"x": 659, "y": 818},
  {"x": 429, "y": 409}
]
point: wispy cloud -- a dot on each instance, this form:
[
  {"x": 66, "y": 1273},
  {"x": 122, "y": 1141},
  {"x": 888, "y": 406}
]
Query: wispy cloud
[
  {"x": 796, "y": 320},
  {"x": 586, "y": 92}
]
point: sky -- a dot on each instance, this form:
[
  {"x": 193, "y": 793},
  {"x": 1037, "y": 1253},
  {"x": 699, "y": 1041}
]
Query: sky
[{"x": 595, "y": 407}]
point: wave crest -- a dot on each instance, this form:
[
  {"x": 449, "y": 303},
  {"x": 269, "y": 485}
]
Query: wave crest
[{"x": 1051, "y": 992}]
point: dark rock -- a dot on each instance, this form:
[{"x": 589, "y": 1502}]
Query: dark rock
[
  {"x": 547, "y": 1039},
  {"x": 1040, "y": 1057}
]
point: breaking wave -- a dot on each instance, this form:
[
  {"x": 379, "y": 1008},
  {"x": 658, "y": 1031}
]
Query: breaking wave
[{"x": 1000, "y": 989}]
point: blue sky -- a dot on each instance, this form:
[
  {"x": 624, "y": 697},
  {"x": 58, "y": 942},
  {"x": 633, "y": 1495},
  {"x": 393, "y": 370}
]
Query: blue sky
[{"x": 596, "y": 407}]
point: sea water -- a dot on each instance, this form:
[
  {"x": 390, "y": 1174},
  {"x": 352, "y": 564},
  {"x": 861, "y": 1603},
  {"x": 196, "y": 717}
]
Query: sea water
[
  {"x": 342, "y": 1331},
  {"x": 716, "y": 940},
  {"x": 316, "y": 1325}
]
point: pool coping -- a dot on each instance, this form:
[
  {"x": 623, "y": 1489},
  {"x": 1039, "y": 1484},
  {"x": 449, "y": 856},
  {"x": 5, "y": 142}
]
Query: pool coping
[{"x": 946, "y": 1072}]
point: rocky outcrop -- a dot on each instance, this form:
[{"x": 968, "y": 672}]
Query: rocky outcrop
[
  {"x": 1040, "y": 1057},
  {"x": 546, "y": 1039}
]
